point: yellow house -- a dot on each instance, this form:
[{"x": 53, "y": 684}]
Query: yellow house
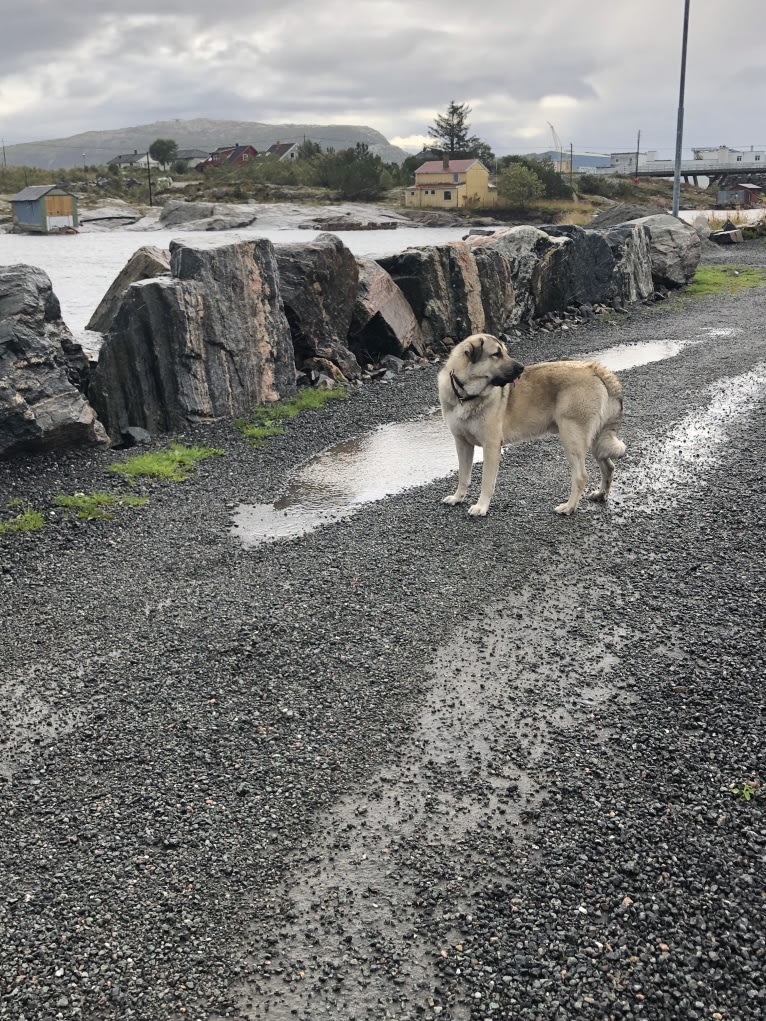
[{"x": 451, "y": 184}]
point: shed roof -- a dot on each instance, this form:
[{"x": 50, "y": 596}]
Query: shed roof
[{"x": 36, "y": 191}]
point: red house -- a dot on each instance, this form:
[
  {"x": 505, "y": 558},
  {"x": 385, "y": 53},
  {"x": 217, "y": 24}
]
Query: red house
[{"x": 236, "y": 154}]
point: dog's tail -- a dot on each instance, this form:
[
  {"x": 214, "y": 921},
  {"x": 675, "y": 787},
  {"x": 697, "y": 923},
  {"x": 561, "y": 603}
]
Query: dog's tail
[{"x": 607, "y": 444}]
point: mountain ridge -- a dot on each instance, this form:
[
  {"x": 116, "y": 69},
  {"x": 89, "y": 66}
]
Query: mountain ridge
[{"x": 98, "y": 147}]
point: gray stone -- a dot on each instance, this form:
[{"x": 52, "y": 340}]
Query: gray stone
[
  {"x": 318, "y": 284},
  {"x": 147, "y": 262},
  {"x": 41, "y": 407},
  {"x": 675, "y": 249},
  {"x": 209, "y": 341},
  {"x": 451, "y": 292},
  {"x": 632, "y": 273},
  {"x": 382, "y": 321}
]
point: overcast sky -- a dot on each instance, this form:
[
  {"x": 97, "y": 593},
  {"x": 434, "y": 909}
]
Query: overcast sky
[{"x": 599, "y": 71}]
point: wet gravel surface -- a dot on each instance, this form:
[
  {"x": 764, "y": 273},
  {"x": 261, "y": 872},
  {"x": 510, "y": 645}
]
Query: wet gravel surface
[{"x": 412, "y": 764}]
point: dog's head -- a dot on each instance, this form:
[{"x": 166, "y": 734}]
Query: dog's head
[{"x": 484, "y": 356}]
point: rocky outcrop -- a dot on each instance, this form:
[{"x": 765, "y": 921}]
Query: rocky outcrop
[
  {"x": 318, "y": 286},
  {"x": 451, "y": 293},
  {"x": 382, "y": 322},
  {"x": 206, "y": 215},
  {"x": 210, "y": 340},
  {"x": 556, "y": 267},
  {"x": 41, "y": 366},
  {"x": 144, "y": 264},
  {"x": 675, "y": 248}
]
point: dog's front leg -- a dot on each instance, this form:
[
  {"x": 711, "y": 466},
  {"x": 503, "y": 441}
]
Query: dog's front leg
[
  {"x": 488, "y": 478},
  {"x": 465, "y": 464}
]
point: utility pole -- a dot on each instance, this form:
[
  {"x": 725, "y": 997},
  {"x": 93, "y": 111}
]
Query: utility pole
[
  {"x": 149, "y": 179},
  {"x": 4, "y": 163},
  {"x": 680, "y": 127},
  {"x": 638, "y": 147}
]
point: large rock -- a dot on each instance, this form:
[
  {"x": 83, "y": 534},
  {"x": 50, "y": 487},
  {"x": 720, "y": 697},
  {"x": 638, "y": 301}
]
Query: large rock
[
  {"x": 451, "y": 293},
  {"x": 206, "y": 215},
  {"x": 632, "y": 275},
  {"x": 211, "y": 340},
  {"x": 383, "y": 322},
  {"x": 318, "y": 282},
  {"x": 40, "y": 406},
  {"x": 144, "y": 264},
  {"x": 675, "y": 248},
  {"x": 534, "y": 258}
]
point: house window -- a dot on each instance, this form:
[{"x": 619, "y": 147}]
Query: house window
[
  {"x": 448, "y": 196},
  {"x": 757, "y": 158},
  {"x": 739, "y": 159}
]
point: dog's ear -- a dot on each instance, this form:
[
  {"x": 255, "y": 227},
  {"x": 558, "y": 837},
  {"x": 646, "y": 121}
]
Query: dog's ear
[{"x": 475, "y": 350}]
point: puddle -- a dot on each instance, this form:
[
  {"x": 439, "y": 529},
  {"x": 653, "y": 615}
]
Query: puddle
[
  {"x": 629, "y": 356},
  {"x": 337, "y": 482}
]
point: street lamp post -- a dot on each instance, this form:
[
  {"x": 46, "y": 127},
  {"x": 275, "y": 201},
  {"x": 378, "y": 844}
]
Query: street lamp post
[
  {"x": 680, "y": 127},
  {"x": 149, "y": 179}
]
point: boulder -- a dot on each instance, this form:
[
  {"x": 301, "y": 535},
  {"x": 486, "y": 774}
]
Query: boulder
[
  {"x": 144, "y": 264},
  {"x": 632, "y": 272},
  {"x": 532, "y": 257},
  {"x": 206, "y": 215},
  {"x": 41, "y": 407},
  {"x": 675, "y": 248},
  {"x": 318, "y": 284},
  {"x": 451, "y": 292},
  {"x": 580, "y": 272},
  {"x": 211, "y": 340},
  {"x": 382, "y": 322}
]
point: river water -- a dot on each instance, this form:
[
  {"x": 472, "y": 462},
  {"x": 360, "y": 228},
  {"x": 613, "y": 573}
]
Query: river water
[{"x": 83, "y": 266}]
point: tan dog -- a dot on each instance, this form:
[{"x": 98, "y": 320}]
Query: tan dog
[{"x": 489, "y": 400}]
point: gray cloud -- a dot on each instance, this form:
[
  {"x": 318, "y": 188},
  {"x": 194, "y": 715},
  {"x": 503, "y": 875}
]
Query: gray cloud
[{"x": 597, "y": 71}]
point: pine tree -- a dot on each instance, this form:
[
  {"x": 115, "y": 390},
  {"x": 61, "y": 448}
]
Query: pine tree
[{"x": 450, "y": 133}]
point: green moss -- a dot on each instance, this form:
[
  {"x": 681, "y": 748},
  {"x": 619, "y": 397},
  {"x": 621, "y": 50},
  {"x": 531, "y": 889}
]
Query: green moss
[
  {"x": 28, "y": 521},
  {"x": 173, "y": 464},
  {"x": 725, "y": 279},
  {"x": 265, "y": 418},
  {"x": 96, "y": 506}
]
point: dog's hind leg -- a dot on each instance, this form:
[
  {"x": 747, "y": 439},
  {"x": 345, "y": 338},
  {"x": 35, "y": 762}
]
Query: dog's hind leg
[
  {"x": 465, "y": 464},
  {"x": 605, "y": 447},
  {"x": 575, "y": 446}
]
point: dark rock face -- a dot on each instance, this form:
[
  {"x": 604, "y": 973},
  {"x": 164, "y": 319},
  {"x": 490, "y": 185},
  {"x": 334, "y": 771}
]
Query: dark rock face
[
  {"x": 208, "y": 341},
  {"x": 144, "y": 264},
  {"x": 451, "y": 292},
  {"x": 318, "y": 284},
  {"x": 383, "y": 322},
  {"x": 40, "y": 363}
]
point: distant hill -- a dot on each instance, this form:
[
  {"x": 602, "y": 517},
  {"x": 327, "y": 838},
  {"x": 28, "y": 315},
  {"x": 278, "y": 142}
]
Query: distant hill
[{"x": 98, "y": 147}]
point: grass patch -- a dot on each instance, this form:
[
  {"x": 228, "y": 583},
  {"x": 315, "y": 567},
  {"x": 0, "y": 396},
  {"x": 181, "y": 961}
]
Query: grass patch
[
  {"x": 266, "y": 419},
  {"x": 97, "y": 506},
  {"x": 28, "y": 521},
  {"x": 725, "y": 279},
  {"x": 174, "y": 464}
]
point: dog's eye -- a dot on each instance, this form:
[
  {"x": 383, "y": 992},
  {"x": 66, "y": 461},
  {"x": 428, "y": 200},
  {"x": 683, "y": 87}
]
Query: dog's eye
[{"x": 498, "y": 354}]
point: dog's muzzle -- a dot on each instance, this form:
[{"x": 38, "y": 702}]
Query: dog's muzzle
[{"x": 509, "y": 374}]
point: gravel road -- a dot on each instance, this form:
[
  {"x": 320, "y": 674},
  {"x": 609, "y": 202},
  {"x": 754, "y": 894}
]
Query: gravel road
[{"x": 412, "y": 764}]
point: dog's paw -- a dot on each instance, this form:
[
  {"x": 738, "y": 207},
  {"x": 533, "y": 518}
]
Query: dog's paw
[
  {"x": 597, "y": 496},
  {"x": 564, "y": 508},
  {"x": 453, "y": 499},
  {"x": 477, "y": 510}
]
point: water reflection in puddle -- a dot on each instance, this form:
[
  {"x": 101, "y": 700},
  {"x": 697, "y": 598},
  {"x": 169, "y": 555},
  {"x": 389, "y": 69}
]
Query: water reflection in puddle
[
  {"x": 405, "y": 455},
  {"x": 337, "y": 482}
]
